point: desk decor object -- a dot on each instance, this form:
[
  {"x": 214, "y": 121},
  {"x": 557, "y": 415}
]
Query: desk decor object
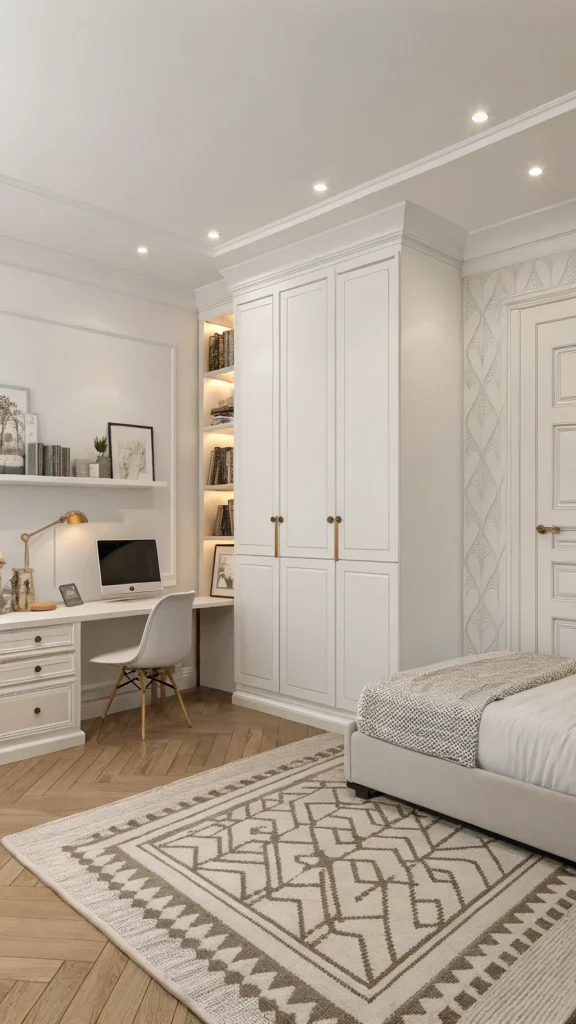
[
  {"x": 70, "y": 595},
  {"x": 43, "y": 606},
  {"x": 4, "y": 607},
  {"x": 23, "y": 579},
  {"x": 223, "y": 571},
  {"x": 14, "y": 404},
  {"x": 131, "y": 451},
  {"x": 103, "y": 460}
]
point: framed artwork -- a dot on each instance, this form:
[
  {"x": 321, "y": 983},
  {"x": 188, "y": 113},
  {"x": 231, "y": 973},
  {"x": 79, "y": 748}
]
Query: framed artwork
[
  {"x": 14, "y": 404},
  {"x": 70, "y": 595},
  {"x": 223, "y": 571},
  {"x": 131, "y": 449}
]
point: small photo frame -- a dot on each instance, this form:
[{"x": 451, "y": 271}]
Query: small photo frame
[
  {"x": 223, "y": 571},
  {"x": 14, "y": 404},
  {"x": 70, "y": 595},
  {"x": 131, "y": 449}
]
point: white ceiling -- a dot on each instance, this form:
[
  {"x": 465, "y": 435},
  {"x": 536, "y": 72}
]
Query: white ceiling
[{"x": 125, "y": 122}]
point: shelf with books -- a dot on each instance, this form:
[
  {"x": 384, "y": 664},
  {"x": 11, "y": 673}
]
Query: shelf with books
[
  {"x": 220, "y": 537},
  {"x": 219, "y": 487},
  {"x": 17, "y": 479},
  {"x": 219, "y": 428},
  {"x": 226, "y": 374}
]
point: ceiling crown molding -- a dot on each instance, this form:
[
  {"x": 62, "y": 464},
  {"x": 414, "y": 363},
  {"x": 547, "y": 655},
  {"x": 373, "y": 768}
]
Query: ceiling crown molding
[
  {"x": 552, "y": 229},
  {"x": 213, "y": 296},
  {"x": 529, "y": 119}
]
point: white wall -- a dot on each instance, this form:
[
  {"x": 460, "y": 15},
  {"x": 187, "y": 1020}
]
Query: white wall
[{"x": 90, "y": 356}]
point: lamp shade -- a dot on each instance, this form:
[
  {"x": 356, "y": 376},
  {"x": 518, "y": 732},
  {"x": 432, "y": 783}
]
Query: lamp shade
[{"x": 74, "y": 518}]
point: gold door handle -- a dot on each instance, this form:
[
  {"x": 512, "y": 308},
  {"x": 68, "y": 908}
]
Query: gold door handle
[
  {"x": 336, "y": 520},
  {"x": 548, "y": 529},
  {"x": 276, "y": 520}
]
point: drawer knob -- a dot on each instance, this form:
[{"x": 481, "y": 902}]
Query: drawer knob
[
  {"x": 37, "y": 711},
  {"x": 37, "y": 639},
  {"x": 38, "y": 668}
]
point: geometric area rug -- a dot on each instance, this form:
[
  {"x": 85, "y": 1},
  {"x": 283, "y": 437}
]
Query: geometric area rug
[{"x": 265, "y": 892}]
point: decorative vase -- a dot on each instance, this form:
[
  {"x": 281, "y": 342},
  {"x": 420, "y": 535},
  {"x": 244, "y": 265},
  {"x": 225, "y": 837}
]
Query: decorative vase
[
  {"x": 22, "y": 590},
  {"x": 104, "y": 467},
  {"x": 81, "y": 467}
]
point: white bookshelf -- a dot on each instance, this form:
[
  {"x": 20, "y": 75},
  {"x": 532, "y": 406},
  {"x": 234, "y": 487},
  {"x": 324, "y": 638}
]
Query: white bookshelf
[
  {"x": 215, "y": 385},
  {"x": 15, "y": 480}
]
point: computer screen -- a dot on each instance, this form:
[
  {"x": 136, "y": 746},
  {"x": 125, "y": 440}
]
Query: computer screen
[{"x": 125, "y": 562}]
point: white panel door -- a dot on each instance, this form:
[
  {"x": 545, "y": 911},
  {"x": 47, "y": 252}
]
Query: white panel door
[
  {"x": 256, "y": 426},
  {"x": 307, "y": 449},
  {"x": 556, "y": 477},
  {"x": 367, "y": 409},
  {"x": 307, "y": 614},
  {"x": 366, "y": 627},
  {"x": 256, "y": 622}
]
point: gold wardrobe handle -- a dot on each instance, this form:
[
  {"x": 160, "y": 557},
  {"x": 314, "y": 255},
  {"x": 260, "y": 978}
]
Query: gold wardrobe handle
[
  {"x": 548, "y": 529},
  {"x": 336, "y": 520},
  {"x": 276, "y": 520}
]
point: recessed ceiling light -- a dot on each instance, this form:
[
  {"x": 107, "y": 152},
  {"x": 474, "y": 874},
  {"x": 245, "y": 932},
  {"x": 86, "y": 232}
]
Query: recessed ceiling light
[
  {"x": 479, "y": 117},
  {"x": 142, "y": 249},
  {"x": 320, "y": 186},
  {"x": 535, "y": 172},
  {"x": 214, "y": 234}
]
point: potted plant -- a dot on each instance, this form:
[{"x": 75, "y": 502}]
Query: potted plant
[{"x": 103, "y": 460}]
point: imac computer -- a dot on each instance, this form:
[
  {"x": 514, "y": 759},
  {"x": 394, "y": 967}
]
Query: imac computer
[{"x": 129, "y": 568}]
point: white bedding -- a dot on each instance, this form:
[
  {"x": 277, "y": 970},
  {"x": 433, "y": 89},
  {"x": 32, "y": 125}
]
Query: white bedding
[{"x": 532, "y": 736}]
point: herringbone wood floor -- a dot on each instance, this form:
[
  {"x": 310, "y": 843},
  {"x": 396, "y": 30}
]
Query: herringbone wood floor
[{"x": 55, "y": 967}]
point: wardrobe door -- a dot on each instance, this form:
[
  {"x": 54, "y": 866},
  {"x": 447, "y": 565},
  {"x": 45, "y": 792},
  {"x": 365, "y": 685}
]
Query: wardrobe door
[
  {"x": 307, "y": 629},
  {"x": 366, "y": 627},
  {"x": 307, "y": 448},
  {"x": 367, "y": 409},
  {"x": 256, "y": 426},
  {"x": 256, "y": 622}
]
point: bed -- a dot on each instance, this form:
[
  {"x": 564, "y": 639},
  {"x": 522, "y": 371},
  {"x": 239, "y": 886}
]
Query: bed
[{"x": 524, "y": 785}]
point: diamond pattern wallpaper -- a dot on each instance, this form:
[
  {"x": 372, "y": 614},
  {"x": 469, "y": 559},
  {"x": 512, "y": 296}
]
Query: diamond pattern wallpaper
[{"x": 485, "y": 325}]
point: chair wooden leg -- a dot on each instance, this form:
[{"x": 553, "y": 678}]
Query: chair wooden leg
[
  {"x": 179, "y": 695},
  {"x": 143, "y": 705},
  {"x": 110, "y": 699}
]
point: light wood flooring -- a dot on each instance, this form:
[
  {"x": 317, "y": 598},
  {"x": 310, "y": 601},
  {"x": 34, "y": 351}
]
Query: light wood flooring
[{"x": 55, "y": 967}]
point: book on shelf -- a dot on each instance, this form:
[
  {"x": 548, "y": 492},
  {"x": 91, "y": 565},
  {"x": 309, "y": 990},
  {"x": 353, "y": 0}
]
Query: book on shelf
[
  {"x": 224, "y": 521},
  {"x": 220, "y": 350},
  {"x": 54, "y": 460},
  {"x": 221, "y": 468}
]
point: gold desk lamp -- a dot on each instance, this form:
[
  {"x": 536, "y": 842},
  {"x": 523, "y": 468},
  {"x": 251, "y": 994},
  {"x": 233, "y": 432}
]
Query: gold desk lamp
[{"x": 23, "y": 579}]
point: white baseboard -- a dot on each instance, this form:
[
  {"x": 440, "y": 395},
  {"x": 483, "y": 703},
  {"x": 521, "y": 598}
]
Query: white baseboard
[
  {"x": 321, "y": 718},
  {"x": 38, "y": 745},
  {"x": 95, "y": 696}
]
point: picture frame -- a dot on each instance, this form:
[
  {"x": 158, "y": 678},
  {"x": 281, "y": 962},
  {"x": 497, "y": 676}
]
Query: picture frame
[
  {"x": 70, "y": 595},
  {"x": 14, "y": 404},
  {"x": 131, "y": 449},
  {"x": 223, "y": 571}
]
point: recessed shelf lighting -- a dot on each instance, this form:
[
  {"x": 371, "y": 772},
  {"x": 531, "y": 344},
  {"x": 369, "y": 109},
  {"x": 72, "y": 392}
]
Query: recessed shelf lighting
[
  {"x": 142, "y": 249},
  {"x": 535, "y": 172},
  {"x": 479, "y": 117},
  {"x": 214, "y": 235},
  {"x": 320, "y": 186}
]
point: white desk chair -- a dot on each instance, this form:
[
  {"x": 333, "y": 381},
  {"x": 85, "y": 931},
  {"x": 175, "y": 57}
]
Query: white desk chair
[{"x": 167, "y": 639}]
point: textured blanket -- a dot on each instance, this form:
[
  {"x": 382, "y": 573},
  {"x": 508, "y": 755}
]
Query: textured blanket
[{"x": 437, "y": 709}]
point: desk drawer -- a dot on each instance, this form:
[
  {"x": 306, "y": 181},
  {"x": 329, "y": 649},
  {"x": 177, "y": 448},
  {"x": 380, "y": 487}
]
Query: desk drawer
[
  {"x": 28, "y": 670},
  {"x": 36, "y": 711},
  {"x": 36, "y": 638}
]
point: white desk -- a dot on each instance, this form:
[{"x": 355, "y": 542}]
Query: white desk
[{"x": 40, "y": 672}]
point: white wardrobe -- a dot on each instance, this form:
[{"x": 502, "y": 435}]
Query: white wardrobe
[{"x": 347, "y": 477}]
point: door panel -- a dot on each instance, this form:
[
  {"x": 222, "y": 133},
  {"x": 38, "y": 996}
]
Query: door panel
[
  {"x": 307, "y": 613},
  {"x": 366, "y": 627},
  {"x": 256, "y": 622},
  {"x": 366, "y": 410},
  {"x": 256, "y": 427},
  {"x": 307, "y": 489}
]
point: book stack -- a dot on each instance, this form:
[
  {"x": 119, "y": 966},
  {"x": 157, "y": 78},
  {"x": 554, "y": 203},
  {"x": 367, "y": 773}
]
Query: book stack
[
  {"x": 221, "y": 350},
  {"x": 54, "y": 460},
  {"x": 221, "y": 468},
  {"x": 223, "y": 413},
  {"x": 224, "y": 522}
]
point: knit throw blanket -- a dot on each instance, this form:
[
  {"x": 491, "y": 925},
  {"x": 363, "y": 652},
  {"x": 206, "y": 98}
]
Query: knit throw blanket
[{"x": 437, "y": 709}]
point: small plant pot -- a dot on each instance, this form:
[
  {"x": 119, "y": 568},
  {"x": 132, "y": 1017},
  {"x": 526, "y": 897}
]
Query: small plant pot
[
  {"x": 82, "y": 467},
  {"x": 104, "y": 467}
]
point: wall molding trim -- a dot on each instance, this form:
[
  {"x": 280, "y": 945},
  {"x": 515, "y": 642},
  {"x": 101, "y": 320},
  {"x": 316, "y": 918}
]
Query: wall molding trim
[
  {"x": 295, "y": 711},
  {"x": 541, "y": 233}
]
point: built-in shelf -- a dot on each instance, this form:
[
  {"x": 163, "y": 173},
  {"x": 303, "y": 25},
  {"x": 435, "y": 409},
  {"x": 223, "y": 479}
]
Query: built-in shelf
[
  {"x": 218, "y": 487},
  {"x": 220, "y": 537},
  {"x": 75, "y": 481},
  {"x": 218, "y": 428},
  {"x": 226, "y": 373}
]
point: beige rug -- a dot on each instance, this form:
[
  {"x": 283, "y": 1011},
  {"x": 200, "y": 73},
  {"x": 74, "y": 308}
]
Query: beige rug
[{"x": 265, "y": 892}]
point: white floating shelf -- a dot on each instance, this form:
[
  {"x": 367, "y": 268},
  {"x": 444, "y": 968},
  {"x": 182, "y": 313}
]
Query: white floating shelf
[
  {"x": 218, "y": 487},
  {"x": 227, "y": 537},
  {"x": 76, "y": 481},
  {"x": 226, "y": 373},
  {"x": 218, "y": 428}
]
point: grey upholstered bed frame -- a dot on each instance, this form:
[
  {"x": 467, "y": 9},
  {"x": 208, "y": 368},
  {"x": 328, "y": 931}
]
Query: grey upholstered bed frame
[{"x": 528, "y": 814}]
